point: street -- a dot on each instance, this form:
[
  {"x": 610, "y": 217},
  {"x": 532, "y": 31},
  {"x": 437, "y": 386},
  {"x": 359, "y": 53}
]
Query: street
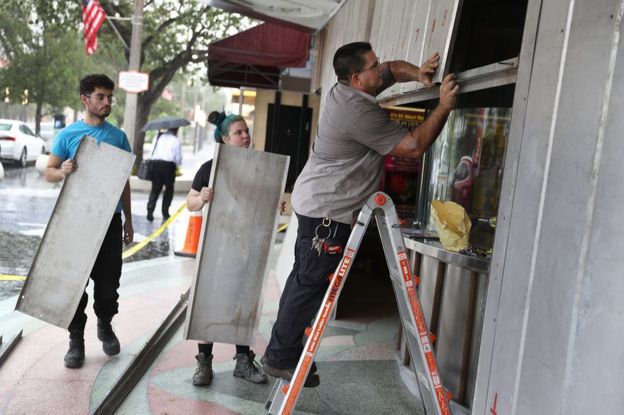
[{"x": 26, "y": 203}]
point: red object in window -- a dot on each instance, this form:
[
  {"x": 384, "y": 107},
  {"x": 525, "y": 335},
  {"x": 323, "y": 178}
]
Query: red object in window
[{"x": 404, "y": 164}]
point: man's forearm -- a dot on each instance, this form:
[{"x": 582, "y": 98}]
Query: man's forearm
[
  {"x": 428, "y": 131},
  {"x": 125, "y": 202},
  {"x": 53, "y": 174},
  {"x": 403, "y": 71},
  {"x": 418, "y": 141}
]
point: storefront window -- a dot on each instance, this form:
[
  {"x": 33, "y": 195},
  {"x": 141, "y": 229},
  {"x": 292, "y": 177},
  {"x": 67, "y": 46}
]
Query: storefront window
[{"x": 467, "y": 166}]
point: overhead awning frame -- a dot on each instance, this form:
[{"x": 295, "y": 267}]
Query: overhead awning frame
[
  {"x": 256, "y": 57},
  {"x": 236, "y": 75}
]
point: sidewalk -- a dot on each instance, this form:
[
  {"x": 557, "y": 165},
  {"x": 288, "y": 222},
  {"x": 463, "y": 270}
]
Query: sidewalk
[{"x": 357, "y": 363}]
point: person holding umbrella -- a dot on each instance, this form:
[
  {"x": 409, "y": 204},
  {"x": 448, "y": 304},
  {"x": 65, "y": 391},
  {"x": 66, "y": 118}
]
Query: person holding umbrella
[{"x": 166, "y": 158}]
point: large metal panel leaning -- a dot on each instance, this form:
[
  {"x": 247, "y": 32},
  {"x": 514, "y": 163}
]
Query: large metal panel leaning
[
  {"x": 75, "y": 232},
  {"x": 441, "y": 29},
  {"x": 385, "y": 40},
  {"x": 237, "y": 235},
  {"x": 417, "y": 38}
]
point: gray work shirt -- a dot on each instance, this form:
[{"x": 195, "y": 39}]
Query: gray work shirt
[{"x": 346, "y": 163}]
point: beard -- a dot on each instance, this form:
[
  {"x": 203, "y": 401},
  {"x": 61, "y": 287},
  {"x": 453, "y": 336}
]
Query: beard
[{"x": 105, "y": 112}]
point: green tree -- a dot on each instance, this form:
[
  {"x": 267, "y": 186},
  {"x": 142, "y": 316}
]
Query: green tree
[
  {"x": 176, "y": 35},
  {"x": 42, "y": 41},
  {"x": 38, "y": 40}
]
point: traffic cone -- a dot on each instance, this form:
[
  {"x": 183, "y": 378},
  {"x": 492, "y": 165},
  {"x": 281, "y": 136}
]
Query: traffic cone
[{"x": 193, "y": 231}]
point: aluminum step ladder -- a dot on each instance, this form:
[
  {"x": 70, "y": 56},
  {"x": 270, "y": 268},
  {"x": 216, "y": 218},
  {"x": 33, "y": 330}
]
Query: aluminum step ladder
[{"x": 284, "y": 394}]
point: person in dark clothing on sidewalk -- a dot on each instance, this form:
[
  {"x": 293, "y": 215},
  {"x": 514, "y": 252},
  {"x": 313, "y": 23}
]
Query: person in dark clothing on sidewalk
[
  {"x": 231, "y": 130},
  {"x": 96, "y": 94},
  {"x": 354, "y": 135},
  {"x": 166, "y": 158}
]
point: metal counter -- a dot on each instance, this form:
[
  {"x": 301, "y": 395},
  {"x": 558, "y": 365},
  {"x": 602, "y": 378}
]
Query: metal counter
[{"x": 452, "y": 294}]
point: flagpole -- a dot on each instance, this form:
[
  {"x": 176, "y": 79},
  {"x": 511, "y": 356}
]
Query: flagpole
[
  {"x": 130, "y": 114},
  {"x": 110, "y": 19}
]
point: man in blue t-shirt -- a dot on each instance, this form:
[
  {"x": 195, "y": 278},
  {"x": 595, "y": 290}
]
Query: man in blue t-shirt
[{"x": 96, "y": 93}]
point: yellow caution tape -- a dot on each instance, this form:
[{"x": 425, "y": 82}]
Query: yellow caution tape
[
  {"x": 136, "y": 248},
  {"x": 12, "y": 277}
]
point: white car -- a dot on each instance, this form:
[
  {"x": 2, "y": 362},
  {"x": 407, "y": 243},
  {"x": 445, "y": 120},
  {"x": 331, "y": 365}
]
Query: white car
[
  {"x": 19, "y": 143},
  {"x": 46, "y": 133}
]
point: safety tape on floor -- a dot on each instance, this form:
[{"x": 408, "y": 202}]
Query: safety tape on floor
[
  {"x": 12, "y": 277},
  {"x": 136, "y": 248},
  {"x": 127, "y": 253}
]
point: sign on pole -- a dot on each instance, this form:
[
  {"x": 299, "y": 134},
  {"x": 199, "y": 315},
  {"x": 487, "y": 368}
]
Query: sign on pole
[{"x": 133, "y": 81}]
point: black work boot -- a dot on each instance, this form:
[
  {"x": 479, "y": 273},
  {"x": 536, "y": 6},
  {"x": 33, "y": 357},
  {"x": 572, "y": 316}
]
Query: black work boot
[
  {"x": 110, "y": 342},
  {"x": 150, "y": 215},
  {"x": 74, "y": 358},
  {"x": 312, "y": 381},
  {"x": 248, "y": 369},
  {"x": 203, "y": 374}
]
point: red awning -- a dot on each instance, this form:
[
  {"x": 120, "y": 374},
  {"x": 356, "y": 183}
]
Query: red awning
[{"x": 256, "y": 56}]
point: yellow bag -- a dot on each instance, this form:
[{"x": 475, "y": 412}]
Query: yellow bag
[{"x": 452, "y": 224}]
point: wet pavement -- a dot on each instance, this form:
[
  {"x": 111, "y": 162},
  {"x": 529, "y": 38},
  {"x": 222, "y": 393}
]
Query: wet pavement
[{"x": 26, "y": 204}]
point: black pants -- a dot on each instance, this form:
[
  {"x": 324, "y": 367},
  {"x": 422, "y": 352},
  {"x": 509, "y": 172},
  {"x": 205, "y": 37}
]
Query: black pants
[
  {"x": 303, "y": 293},
  {"x": 163, "y": 174},
  {"x": 106, "y": 274}
]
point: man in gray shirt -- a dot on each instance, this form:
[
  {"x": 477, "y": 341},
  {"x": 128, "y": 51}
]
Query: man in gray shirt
[{"x": 344, "y": 169}]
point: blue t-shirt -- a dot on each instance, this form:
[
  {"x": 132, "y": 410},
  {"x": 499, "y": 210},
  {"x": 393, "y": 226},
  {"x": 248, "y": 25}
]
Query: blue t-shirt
[{"x": 66, "y": 142}]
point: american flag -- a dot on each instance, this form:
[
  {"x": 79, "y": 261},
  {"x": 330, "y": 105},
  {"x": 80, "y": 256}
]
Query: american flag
[{"x": 92, "y": 17}]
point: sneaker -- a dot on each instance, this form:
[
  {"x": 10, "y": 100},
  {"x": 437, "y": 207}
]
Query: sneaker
[
  {"x": 312, "y": 381},
  {"x": 150, "y": 217},
  {"x": 248, "y": 369},
  {"x": 74, "y": 358},
  {"x": 203, "y": 374},
  {"x": 166, "y": 216},
  {"x": 110, "y": 342}
]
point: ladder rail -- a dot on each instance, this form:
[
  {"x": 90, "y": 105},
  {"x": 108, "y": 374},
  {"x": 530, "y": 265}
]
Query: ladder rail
[
  {"x": 285, "y": 394},
  {"x": 414, "y": 323}
]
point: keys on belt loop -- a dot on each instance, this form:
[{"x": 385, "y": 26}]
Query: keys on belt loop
[
  {"x": 321, "y": 232},
  {"x": 324, "y": 241},
  {"x": 332, "y": 246}
]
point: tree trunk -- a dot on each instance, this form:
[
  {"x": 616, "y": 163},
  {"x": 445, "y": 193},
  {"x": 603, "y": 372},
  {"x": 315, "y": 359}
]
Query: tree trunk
[
  {"x": 38, "y": 110},
  {"x": 143, "y": 111}
]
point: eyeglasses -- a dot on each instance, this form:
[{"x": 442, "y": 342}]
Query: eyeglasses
[
  {"x": 375, "y": 66},
  {"x": 102, "y": 97}
]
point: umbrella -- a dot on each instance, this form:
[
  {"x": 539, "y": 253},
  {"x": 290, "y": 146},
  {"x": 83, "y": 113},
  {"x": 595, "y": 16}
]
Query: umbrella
[{"x": 165, "y": 123}]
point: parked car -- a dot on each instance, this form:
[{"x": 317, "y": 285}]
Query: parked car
[
  {"x": 18, "y": 142},
  {"x": 46, "y": 133}
]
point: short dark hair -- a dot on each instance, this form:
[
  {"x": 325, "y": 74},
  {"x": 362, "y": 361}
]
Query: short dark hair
[
  {"x": 90, "y": 82},
  {"x": 349, "y": 59}
]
